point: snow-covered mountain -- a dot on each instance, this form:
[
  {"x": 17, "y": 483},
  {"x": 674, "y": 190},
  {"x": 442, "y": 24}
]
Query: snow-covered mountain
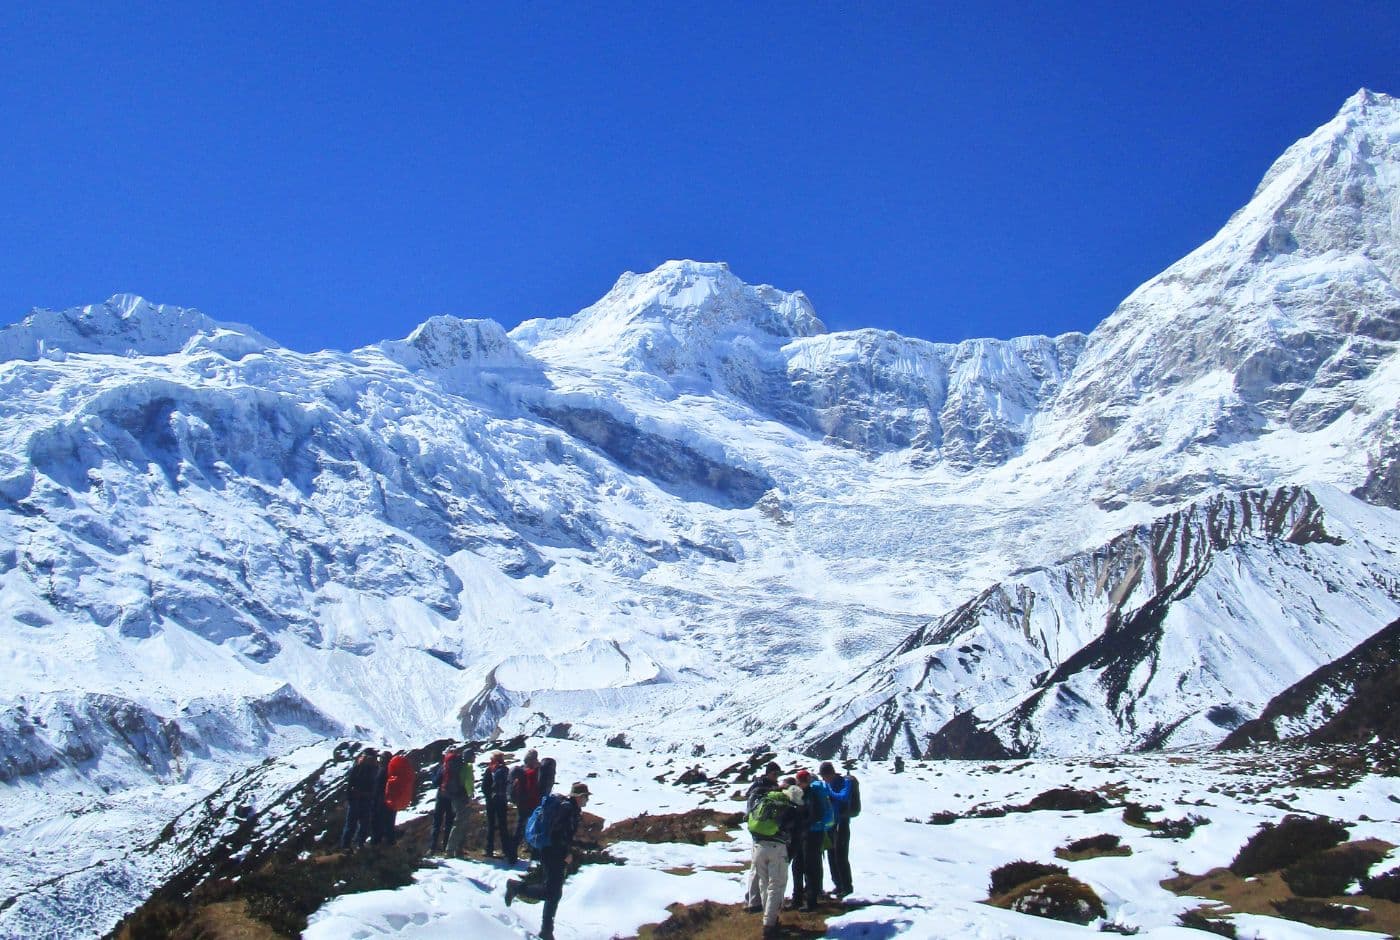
[{"x": 689, "y": 513}]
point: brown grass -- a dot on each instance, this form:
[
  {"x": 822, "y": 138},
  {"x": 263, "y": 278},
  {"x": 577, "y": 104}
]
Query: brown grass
[
  {"x": 709, "y": 920},
  {"x": 697, "y": 827},
  {"x": 1262, "y": 894}
]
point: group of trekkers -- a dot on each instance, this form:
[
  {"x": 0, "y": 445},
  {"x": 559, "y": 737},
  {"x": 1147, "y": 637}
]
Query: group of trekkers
[
  {"x": 794, "y": 821},
  {"x": 380, "y": 786}
]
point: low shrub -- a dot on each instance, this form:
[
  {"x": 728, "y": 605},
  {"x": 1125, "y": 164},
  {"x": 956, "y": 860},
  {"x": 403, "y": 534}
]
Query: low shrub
[
  {"x": 943, "y": 818},
  {"x": 1386, "y": 887},
  {"x": 1178, "y": 828},
  {"x": 1278, "y": 845},
  {"x": 1196, "y": 920},
  {"x": 1013, "y": 874},
  {"x": 1112, "y": 926},
  {"x": 1329, "y": 874},
  {"x": 1135, "y": 814},
  {"x": 1101, "y": 843},
  {"x": 1058, "y": 897},
  {"x": 1320, "y": 913},
  {"x": 1068, "y": 798}
]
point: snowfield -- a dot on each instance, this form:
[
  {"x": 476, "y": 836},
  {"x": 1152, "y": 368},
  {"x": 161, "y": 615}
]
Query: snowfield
[{"x": 913, "y": 879}]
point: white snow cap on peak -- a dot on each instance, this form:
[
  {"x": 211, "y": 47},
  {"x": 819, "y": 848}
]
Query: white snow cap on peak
[
  {"x": 125, "y": 324},
  {"x": 444, "y": 342},
  {"x": 672, "y": 317}
]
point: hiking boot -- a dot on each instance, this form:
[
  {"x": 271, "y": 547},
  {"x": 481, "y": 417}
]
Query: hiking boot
[
  {"x": 753, "y": 908},
  {"x": 512, "y": 888}
]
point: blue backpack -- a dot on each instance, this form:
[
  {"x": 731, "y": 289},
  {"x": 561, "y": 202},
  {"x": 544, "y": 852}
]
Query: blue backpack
[{"x": 539, "y": 828}]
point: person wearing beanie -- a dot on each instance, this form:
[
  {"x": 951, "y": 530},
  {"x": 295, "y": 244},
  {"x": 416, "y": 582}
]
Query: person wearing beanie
[
  {"x": 525, "y": 794},
  {"x": 567, "y": 812},
  {"x": 766, "y": 782},
  {"x": 845, "y": 803},
  {"x": 807, "y": 862}
]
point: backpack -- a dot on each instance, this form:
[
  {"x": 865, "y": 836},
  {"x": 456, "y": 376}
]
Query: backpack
[
  {"x": 765, "y": 819},
  {"x": 539, "y": 828},
  {"x": 853, "y": 800},
  {"x": 818, "y": 794}
]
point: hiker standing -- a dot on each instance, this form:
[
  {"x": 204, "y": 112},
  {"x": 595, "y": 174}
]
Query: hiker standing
[
  {"x": 442, "y": 806},
  {"x": 816, "y": 800},
  {"x": 845, "y": 802},
  {"x": 525, "y": 794},
  {"x": 398, "y": 791},
  {"x": 766, "y": 782},
  {"x": 495, "y": 788},
  {"x": 359, "y": 800},
  {"x": 459, "y": 777},
  {"x": 557, "y": 828},
  {"x": 382, "y": 824},
  {"x": 772, "y": 822}
]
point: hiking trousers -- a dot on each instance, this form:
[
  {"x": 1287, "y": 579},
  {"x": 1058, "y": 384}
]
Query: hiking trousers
[
  {"x": 838, "y": 857},
  {"x": 551, "y": 889},
  {"x": 522, "y": 816},
  {"x": 812, "y": 867},
  {"x": 461, "y": 810},
  {"x": 442, "y": 819},
  {"x": 770, "y": 864},
  {"x": 359, "y": 821},
  {"x": 496, "y": 828}
]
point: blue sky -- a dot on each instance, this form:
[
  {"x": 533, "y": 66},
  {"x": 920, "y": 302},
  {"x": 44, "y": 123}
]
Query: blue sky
[{"x": 335, "y": 173}]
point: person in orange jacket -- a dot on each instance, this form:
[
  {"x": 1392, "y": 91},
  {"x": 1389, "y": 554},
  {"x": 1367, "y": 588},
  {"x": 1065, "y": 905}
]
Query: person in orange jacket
[{"x": 398, "y": 790}]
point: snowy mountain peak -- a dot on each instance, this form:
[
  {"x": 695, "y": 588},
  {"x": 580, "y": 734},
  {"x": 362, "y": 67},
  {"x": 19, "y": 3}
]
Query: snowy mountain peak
[
  {"x": 126, "y": 324},
  {"x": 673, "y": 319},
  {"x": 444, "y": 342}
]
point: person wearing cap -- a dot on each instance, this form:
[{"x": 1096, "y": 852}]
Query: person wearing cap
[
  {"x": 359, "y": 800},
  {"x": 553, "y": 858},
  {"x": 495, "y": 787},
  {"x": 845, "y": 803},
  {"x": 765, "y": 782},
  {"x": 525, "y": 794}
]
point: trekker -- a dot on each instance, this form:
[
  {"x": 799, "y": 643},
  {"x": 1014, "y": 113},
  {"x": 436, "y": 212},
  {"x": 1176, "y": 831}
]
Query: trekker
[
  {"x": 359, "y": 800},
  {"x": 771, "y": 822},
  {"x": 525, "y": 794},
  {"x": 495, "y": 788},
  {"x": 442, "y": 807},
  {"x": 845, "y": 802},
  {"x": 559, "y": 822},
  {"x": 459, "y": 777},
  {"x": 816, "y": 799},
  {"x": 765, "y": 782},
  {"x": 547, "y": 772},
  {"x": 382, "y": 824},
  {"x": 398, "y": 791}
]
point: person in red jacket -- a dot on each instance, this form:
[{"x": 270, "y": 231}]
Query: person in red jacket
[
  {"x": 398, "y": 790},
  {"x": 525, "y": 794}
]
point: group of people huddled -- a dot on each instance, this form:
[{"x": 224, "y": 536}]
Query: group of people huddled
[
  {"x": 380, "y": 786},
  {"x": 795, "y": 822}
]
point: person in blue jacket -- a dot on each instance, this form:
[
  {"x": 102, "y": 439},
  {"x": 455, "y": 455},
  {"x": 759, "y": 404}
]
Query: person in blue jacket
[{"x": 845, "y": 801}]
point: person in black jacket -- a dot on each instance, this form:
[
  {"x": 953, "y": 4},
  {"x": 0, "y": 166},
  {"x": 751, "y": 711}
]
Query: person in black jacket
[
  {"x": 553, "y": 858},
  {"x": 443, "y": 815},
  {"x": 359, "y": 800},
  {"x": 495, "y": 789},
  {"x": 382, "y": 825}
]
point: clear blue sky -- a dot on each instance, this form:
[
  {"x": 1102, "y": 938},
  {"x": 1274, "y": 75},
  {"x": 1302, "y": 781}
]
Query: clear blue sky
[{"x": 335, "y": 173}]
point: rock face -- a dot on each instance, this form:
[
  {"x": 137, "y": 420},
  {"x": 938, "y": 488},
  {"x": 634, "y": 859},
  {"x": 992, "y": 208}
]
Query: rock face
[
  {"x": 1171, "y": 633},
  {"x": 678, "y": 512}
]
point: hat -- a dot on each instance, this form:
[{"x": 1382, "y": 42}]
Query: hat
[
  {"x": 579, "y": 789},
  {"x": 804, "y": 777},
  {"x": 498, "y": 757},
  {"x": 772, "y": 768},
  {"x": 826, "y": 770},
  {"x": 794, "y": 793}
]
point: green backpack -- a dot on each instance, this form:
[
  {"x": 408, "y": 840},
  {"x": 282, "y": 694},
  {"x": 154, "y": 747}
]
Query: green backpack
[{"x": 768, "y": 813}]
